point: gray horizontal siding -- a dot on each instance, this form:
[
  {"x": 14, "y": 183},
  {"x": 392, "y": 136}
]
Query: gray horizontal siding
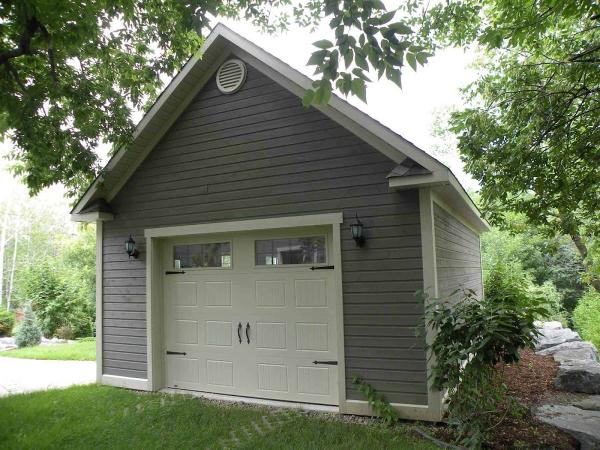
[
  {"x": 458, "y": 255},
  {"x": 259, "y": 154}
]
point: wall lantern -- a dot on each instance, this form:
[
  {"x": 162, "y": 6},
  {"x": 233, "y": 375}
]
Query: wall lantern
[
  {"x": 130, "y": 248},
  {"x": 357, "y": 232}
]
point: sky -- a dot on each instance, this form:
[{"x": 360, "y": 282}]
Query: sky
[{"x": 409, "y": 112}]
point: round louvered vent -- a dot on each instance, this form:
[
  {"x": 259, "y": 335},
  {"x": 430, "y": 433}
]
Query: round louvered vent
[{"x": 231, "y": 75}]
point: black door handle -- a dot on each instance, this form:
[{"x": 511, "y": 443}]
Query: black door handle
[
  {"x": 240, "y": 332},
  {"x": 248, "y": 332}
]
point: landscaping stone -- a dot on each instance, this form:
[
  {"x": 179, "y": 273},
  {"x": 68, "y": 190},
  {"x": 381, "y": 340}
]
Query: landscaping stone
[
  {"x": 552, "y": 337},
  {"x": 579, "y": 376},
  {"x": 554, "y": 325},
  {"x": 582, "y": 424},
  {"x": 570, "y": 351},
  {"x": 592, "y": 403}
]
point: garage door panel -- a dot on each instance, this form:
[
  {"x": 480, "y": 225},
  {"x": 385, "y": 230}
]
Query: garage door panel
[
  {"x": 270, "y": 293},
  {"x": 186, "y": 331},
  {"x": 185, "y": 294},
  {"x": 314, "y": 380},
  {"x": 219, "y": 373},
  {"x": 217, "y": 293},
  {"x": 311, "y": 293},
  {"x": 219, "y": 333},
  {"x": 312, "y": 336},
  {"x": 271, "y": 335},
  {"x": 272, "y": 377}
]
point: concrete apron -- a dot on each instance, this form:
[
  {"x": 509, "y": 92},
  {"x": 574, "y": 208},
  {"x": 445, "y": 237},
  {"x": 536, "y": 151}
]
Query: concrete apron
[{"x": 29, "y": 375}]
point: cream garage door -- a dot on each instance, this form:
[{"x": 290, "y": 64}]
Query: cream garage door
[{"x": 253, "y": 314}]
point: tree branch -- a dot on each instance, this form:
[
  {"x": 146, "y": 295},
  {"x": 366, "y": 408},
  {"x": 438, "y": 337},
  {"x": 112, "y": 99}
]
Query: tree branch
[{"x": 31, "y": 27}]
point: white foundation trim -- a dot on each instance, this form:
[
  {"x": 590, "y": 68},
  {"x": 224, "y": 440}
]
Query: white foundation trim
[
  {"x": 140, "y": 384},
  {"x": 405, "y": 411},
  {"x": 246, "y": 225},
  {"x": 254, "y": 401}
]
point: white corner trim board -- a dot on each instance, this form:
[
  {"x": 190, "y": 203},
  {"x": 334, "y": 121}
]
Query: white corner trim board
[
  {"x": 140, "y": 384},
  {"x": 99, "y": 267}
]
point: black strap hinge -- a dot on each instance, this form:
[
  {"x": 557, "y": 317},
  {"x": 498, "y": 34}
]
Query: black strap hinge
[
  {"x": 174, "y": 272},
  {"x": 322, "y": 267},
  {"x": 169, "y": 352},
  {"x": 328, "y": 363}
]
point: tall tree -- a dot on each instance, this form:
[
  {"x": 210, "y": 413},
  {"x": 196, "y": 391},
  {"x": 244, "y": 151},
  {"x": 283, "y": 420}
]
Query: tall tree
[
  {"x": 72, "y": 72},
  {"x": 531, "y": 134}
]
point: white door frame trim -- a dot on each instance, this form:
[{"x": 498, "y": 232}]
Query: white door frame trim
[
  {"x": 155, "y": 342},
  {"x": 246, "y": 225}
]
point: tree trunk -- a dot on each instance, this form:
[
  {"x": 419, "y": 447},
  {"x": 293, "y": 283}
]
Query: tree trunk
[
  {"x": 583, "y": 251},
  {"x": 14, "y": 262},
  {"x": 2, "y": 247}
]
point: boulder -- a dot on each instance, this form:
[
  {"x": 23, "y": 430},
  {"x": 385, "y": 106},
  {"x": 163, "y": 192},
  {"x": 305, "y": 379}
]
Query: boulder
[
  {"x": 592, "y": 403},
  {"x": 583, "y": 425},
  {"x": 554, "y": 325},
  {"x": 550, "y": 337},
  {"x": 579, "y": 376},
  {"x": 570, "y": 351}
]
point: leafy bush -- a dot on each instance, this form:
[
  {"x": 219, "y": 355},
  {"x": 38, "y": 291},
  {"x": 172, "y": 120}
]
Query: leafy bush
[
  {"x": 28, "y": 333},
  {"x": 377, "y": 401},
  {"x": 471, "y": 337},
  {"x": 58, "y": 299},
  {"x": 7, "y": 322},
  {"x": 507, "y": 283},
  {"x": 547, "y": 294},
  {"x": 586, "y": 317}
]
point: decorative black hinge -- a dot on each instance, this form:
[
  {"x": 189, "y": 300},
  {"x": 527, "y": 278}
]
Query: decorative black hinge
[
  {"x": 169, "y": 352},
  {"x": 174, "y": 272},
  {"x": 322, "y": 267},
  {"x": 328, "y": 363}
]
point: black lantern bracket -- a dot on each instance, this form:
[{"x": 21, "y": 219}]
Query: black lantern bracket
[
  {"x": 356, "y": 228},
  {"x": 130, "y": 248}
]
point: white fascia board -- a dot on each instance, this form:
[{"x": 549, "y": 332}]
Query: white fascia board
[
  {"x": 92, "y": 217},
  {"x": 440, "y": 178}
]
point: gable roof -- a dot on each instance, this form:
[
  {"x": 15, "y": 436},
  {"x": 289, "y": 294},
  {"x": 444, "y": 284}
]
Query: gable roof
[{"x": 217, "y": 48}]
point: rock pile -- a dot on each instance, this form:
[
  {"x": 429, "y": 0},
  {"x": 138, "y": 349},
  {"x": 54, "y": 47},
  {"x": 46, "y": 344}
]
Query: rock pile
[{"x": 579, "y": 371}]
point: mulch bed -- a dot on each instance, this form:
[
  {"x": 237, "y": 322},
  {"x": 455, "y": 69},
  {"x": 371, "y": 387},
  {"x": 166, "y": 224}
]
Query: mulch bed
[{"x": 531, "y": 383}]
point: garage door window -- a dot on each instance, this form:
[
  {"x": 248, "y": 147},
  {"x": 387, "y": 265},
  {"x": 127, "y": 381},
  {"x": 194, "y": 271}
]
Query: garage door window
[
  {"x": 297, "y": 250},
  {"x": 203, "y": 255}
]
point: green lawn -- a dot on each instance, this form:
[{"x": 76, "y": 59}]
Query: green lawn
[
  {"x": 101, "y": 417},
  {"x": 78, "y": 351}
]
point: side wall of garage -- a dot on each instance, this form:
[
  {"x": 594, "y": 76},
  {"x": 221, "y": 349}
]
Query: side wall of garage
[
  {"x": 258, "y": 154},
  {"x": 458, "y": 255}
]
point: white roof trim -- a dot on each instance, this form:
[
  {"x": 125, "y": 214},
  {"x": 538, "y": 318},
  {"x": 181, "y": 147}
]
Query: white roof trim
[{"x": 361, "y": 124}]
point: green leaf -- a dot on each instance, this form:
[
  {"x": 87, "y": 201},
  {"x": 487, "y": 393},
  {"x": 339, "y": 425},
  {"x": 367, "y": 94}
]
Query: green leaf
[
  {"x": 348, "y": 58},
  {"x": 385, "y": 18},
  {"x": 317, "y": 58},
  {"x": 411, "y": 59},
  {"x": 307, "y": 100},
  {"x": 323, "y": 43},
  {"x": 359, "y": 59},
  {"x": 359, "y": 89},
  {"x": 400, "y": 28},
  {"x": 422, "y": 57}
]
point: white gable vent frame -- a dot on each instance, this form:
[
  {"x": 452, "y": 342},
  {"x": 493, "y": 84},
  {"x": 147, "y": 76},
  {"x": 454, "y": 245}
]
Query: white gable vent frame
[{"x": 231, "y": 76}]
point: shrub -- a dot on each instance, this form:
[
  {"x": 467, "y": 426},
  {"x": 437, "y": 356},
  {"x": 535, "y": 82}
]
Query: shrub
[
  {"x": 7, "y": 322},
  {"x": 471, "y": 337},
  {"x": 28, "y": 333},
  {"x": 547, "y": 294},
  {"x": 507, "y": 282},
  {"x": 586, "y": 317},
  {"x": 59, "y": 299}
]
